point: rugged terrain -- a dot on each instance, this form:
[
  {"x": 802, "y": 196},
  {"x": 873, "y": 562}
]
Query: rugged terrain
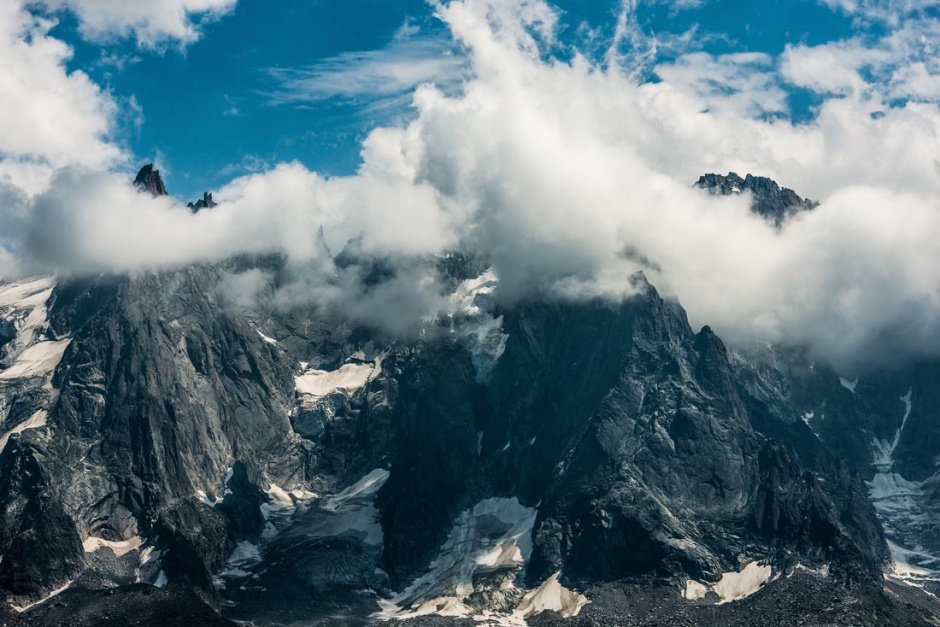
[{"x": 173, "y": 456}]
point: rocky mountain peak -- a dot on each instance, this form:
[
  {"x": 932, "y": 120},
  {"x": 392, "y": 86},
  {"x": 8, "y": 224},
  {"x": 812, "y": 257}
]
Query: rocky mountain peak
[
  {"x": 769, "y": 200},
  {"x": 205, "y": 202},
  {"x": 148, "y": 179}
]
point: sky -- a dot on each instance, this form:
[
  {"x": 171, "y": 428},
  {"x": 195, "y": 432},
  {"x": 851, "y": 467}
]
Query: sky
[
  {"x": 224, "y": 105},
  {"x": 557, "y": 140}
]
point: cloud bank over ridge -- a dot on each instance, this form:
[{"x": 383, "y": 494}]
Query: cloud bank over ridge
[{"x": 565, "y": 172}]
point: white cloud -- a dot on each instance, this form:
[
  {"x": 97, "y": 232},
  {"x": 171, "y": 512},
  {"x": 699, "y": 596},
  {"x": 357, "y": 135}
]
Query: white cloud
[
  {"x": 741, "y": 83},
  {"x": 892, "y": 12},
  {"x": 385, "y": 77},
  {"x": 566, "y": 174},
  {"x": 51, "y": 117},
  {"x": 153, "y": 22}
]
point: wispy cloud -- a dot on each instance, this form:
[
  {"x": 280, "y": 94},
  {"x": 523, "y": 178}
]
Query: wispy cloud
[{"x": 373, "y": 78}]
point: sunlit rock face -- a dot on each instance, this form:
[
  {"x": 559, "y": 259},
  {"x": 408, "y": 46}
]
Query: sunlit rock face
[{"x": 549, "y": 462}]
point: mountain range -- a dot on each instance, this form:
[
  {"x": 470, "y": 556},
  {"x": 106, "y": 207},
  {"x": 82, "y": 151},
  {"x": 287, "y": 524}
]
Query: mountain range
[{"x": 172, "y": 456}]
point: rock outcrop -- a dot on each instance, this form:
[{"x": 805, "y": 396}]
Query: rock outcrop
[
  {"x": 768, "y": 200},
  {"x": 148, "y": 180},
  {"x": 205, "y": 202}
]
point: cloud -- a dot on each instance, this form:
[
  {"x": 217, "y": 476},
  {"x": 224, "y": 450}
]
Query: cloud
[
  {"x": 565, "y": 174},
  {"x": 891, "y": 12},
  {"x": 382, "y": 78},
  {"x": 52, "y": 117},
  {"x": 154, "y": 23}
]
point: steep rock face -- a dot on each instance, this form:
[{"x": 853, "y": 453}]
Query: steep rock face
[
  {"x": 39, "y": 543},
  {"x": 148, "y": 180},
  {"x": 882, "y": 423},
  {"x": 162, "y": 391},
  {"x": 630, "y": 430},
  {"x": 770, "y": 201},
  {"x": 206, "y": 446}
]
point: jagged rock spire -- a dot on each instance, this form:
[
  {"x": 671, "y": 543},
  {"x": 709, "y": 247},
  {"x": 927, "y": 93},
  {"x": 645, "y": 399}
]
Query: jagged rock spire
[
  {"x": 770, "y": 201},
  {"x": 148, "y": 179},
  {"x": 205, "y": 202}
]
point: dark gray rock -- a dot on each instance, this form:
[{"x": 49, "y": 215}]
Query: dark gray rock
[
  {"x": 768, "y": 200},
  {"x": 148, "y": 180}
]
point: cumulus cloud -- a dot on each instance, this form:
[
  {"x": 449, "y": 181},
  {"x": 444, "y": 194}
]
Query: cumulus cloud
[
  {"x": 568, "y": 176},
  {"x": 152, "y": 22},
  {"x": 51, "y": 118}
]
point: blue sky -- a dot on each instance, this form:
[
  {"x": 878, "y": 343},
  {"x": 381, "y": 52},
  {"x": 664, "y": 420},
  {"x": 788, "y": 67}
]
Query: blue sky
[
  {"x": 207, "y": 113},
  {"x": 558, "y": 140}
]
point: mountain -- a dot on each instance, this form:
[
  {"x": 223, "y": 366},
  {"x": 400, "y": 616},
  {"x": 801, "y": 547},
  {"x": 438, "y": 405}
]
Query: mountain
[
  {"x": 148, "y": 179},
  {"x": 770, "y": 201},
  {"x": 172, "y": 457}
]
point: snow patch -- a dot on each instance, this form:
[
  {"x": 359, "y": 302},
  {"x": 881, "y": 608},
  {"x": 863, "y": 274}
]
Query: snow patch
[
  {"x": 551, "y": 595},
  {"x": 808, "y": 418},
  {"x": 36, "y": 421},
  {"x": 315, "y": 384},
  {"x": 849, "y": 385},
  {"x": 22, "y": 608},
  {"x": 822, "y": 571},
  {"x": 470, "y": 309},
  {"x": 884, "y": 450},
  {"x": 903, "y": 564},
  {"x": 39, "y": 359},
  {"x": 26, "y": 294},
  {"x": 161, "y": 580},
  {"x": 121, "y": 548},
  {"x": 269, "y": 340},
  {"x": 202, "y": 496},
  {"x": 733, "y": 586},
  {"x": 694, "y": 590}
]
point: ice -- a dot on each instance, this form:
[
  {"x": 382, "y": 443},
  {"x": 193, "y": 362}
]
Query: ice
[
  {"x": 242, "y": 558},
  {"x": 26, "y": 294},
  {"x": 39, "y": 359},
  {"x": 733, "y": 586},
  {"x": 161, "y": 580},
  {"x": 884, "y": 450},
  {"x": 902, "y": 565},
  {"x": 36, "y": 421},
  {"x": 353, "y": 509},
  {"x": 121, "y": 548},
  {"x": 470, "y": 309},
  {"x": 496, "y": 534},
  {"x": 24, "y": 304},
  {"x": 367, "y": 486}
]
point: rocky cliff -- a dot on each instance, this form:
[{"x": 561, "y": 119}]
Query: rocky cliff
[{"x": 552, "y": 461}]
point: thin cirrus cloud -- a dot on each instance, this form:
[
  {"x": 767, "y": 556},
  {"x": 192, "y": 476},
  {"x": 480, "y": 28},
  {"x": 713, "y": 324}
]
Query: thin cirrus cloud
[{"x": 373, "y": 79}]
